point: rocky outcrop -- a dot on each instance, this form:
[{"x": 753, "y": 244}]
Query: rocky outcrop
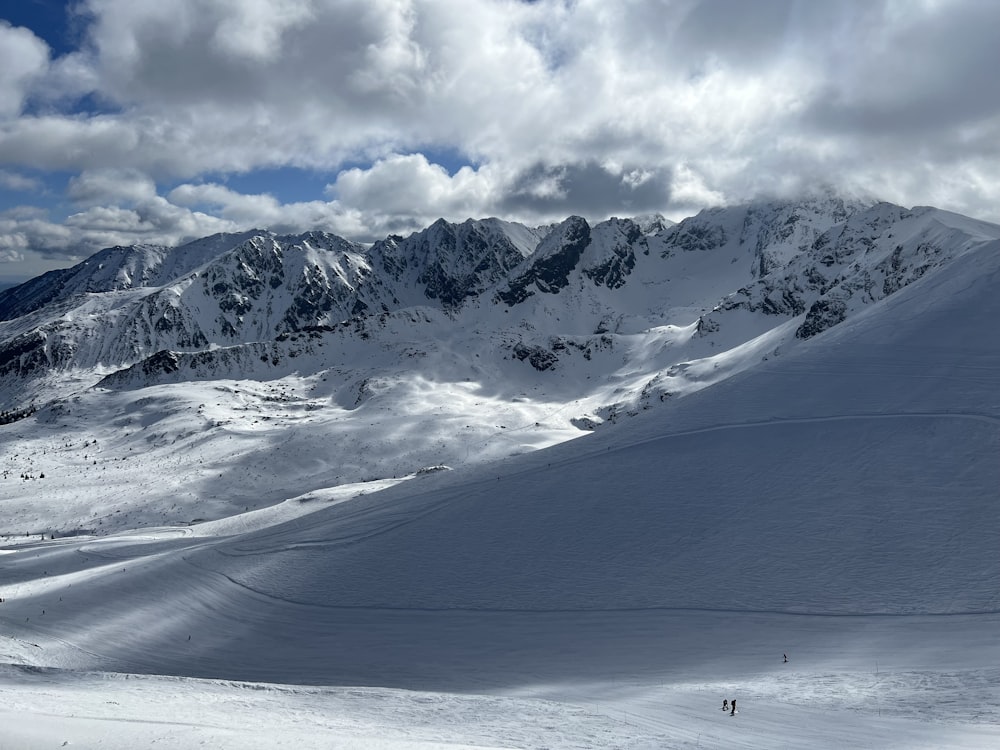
[
  {"x": 548, "y": 269},
  {"x": 539, "y": 358},
  {"x": 619, "y": 241},
  {"x": 450, "y": 263},
  {"x": 822, "y": 314}
]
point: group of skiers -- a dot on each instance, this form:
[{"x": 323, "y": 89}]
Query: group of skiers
[{"x": 730, "y": 705}]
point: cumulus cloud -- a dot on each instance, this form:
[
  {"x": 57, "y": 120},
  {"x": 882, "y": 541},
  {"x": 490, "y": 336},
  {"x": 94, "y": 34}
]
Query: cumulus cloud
[
  {"x": 24, "y": 58},
  {"x": 21, "y": 235},
  {"x": 407, "y": 191},
  {"x": 104, "y": 186},
  {"x": 16, "y": 181},
  {"x": 558, "y": 107},
  {"x": 243, "y": 211}
]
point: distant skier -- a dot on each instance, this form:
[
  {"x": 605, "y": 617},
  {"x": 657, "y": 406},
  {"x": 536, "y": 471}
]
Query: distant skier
[
  {"x": 733, "y": 704},
  {"x": 786, "y": 658},
  {"x": 725, "y": 704}
]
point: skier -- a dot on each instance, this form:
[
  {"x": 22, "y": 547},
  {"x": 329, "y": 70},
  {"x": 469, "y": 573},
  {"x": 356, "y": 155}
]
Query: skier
[
  {"x": 725, "y": 704},
  {"x": 733, "y": 704},
  {"x": 786, "y": 658}
]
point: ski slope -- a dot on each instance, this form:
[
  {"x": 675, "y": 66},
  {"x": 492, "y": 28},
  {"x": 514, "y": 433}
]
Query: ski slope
[{"x": 838, "y": 504}]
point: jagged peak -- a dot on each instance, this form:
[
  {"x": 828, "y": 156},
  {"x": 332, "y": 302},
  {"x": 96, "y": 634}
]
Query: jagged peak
[{"x": 653, "y": 223}]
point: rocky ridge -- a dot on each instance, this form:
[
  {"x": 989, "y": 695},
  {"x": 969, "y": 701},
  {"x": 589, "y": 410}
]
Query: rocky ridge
[{"x": 250, "y": 305}]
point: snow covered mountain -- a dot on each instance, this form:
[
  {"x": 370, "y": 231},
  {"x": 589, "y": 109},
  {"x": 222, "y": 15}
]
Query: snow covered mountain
[
  {"x": 613, "y": 317},
  {"x": 788, "y": 417},
  {"x": 460, "y": 344}
]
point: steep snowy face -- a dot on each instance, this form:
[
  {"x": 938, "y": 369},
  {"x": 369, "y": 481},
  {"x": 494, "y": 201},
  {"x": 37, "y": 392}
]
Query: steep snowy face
[
  {"x": 394, "y": 341},
  {"x": 611, "y": 256},
  {"x": 109, "y": 270},
  {"x": 450, "y": 263},
  {"x": 271, "y": 285},
  {"x": 115, "y": 269},
  {"x": 629, "y": 276},
  {"x": 548, "y": 269},
  {"x": 257, "y": 290},
  {"x": 855, "y": 263},
  {"x": 771, "y": 233},
  {"x": 696, "y": 254}
]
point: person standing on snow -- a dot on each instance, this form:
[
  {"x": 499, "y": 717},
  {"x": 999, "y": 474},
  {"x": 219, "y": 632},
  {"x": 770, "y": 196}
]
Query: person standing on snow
[{"x": 733, "y": 704}]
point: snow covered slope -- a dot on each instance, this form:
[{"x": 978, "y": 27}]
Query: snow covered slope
[
  {"x": 851, "y": 476},
  {"x": 117, "y": 268}
]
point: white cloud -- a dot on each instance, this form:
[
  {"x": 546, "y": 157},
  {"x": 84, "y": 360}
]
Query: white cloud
[
  {"x": 564, "y": 107},
  {"x": 30, "y": 232},
  {"x": 19, "y": 182},
  {"x": 259, "y": 211},
  {"x": 410, "y": 186},
  {"x": 398, "y": 194},
  {"x": 59, "y": 142},
  {"x": 23, "y": 59},
  {"x": 258, "y": 30},
  {"x": 19, "y": 234},
  {"x": 689, "y": 191},
  {"x": 104, "y": 186},
  {"x": 393, "y": 64}
]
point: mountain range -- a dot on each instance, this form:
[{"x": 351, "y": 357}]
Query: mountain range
[{"x": 644, "y": 296}]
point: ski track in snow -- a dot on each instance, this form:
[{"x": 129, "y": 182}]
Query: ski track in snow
[{"x": 634, "y": 679}]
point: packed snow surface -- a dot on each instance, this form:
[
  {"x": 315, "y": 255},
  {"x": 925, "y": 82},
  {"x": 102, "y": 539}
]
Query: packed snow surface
[{"x": 838, "y": 505}]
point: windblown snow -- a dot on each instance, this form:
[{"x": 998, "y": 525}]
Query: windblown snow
[{"x": 763, "y": 437}]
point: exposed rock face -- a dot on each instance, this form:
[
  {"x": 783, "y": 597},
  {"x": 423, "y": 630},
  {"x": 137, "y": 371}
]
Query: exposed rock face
[
  {"x": 698, "y": 236},
  {"x": 541, "y": 359},
  {"x": 116, "y": 269},
  {"x": 822, "y": 314},
  {"x": 548, "y": 270},
  {"x": 449, "y": 263},
  {"x": 24, "y": 354},
  {"x": 854, "y": 263},
  {"x": 615, "y": 259}
]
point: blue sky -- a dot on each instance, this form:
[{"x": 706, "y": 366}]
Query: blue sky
[
  {"x": 48, "y": 19},
  {"x": 127, "y": 121}
]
